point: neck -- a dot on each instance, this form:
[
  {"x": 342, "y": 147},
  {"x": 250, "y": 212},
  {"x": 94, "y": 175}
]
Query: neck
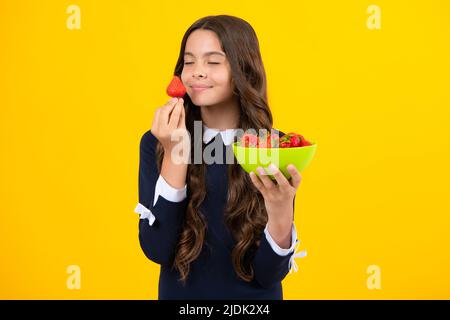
[{"x": 221, "y": 116}]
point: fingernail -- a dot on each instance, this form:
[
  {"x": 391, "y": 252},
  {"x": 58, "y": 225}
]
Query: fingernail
[
  {"x": 174, "y": 100},
  {"x": 273, "y": 167},
  {"x": 261, "y": 170}
]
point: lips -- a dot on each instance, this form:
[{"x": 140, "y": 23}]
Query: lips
[{"x": 200, "y": 88}]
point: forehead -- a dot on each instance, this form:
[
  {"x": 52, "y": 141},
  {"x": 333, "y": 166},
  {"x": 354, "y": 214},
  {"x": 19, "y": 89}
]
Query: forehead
[{"x": 203, "y": 42}]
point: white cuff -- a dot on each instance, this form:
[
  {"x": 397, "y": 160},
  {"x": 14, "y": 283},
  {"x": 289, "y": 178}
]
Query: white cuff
[
  {"x": 295, "y": 243},
  {"x": 145, "y": 213},
  {"x": 276, "y": 247},
  {"x": 168, "y": 192}
]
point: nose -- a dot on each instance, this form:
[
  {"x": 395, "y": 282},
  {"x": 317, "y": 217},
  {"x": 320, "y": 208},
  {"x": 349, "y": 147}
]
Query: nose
[{"x": 198, "y": 73}]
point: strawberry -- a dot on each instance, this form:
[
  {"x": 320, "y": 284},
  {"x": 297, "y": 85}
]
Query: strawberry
[
  {"x": 176, "y": 88},
  {"x": 289, "y": 140},
  {"x": 285, "y": 138},
  {"x": 249, "y": 140},
  {"x": 296, "y": 141},
  {"x": 274, "y": 140},
  {"x": 293, "y": 140},
  {"x": 306, "y": 143},
  {"x": 264, "y": 141},
  {"x": 285, "y": 144}
]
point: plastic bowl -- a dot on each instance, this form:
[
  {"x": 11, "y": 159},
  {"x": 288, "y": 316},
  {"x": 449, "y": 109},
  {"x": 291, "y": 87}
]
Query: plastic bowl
[{"x": 251, "y": 158}]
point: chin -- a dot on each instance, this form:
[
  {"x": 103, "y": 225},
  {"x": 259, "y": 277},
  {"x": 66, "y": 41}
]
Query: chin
[{"x": 202, "y": 101}]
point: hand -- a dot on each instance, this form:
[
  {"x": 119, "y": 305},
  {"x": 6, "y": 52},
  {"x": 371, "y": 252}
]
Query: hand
[
  {"x": 278, "y": 200},
  {"x": 167, "y": 120}
]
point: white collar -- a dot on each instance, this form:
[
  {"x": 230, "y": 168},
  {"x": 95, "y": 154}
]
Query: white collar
[{"x": 227, "y": 135}]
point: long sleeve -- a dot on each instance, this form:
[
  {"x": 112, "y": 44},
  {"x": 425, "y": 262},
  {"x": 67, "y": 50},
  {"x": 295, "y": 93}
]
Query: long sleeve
[
  {"x": 271, "y": 263},
  {"x": 161, "y": 219},
  {"x": 269, "y": 267}
]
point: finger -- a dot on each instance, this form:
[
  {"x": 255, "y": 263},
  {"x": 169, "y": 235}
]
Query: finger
[
  {"x": 175, "y": 115},
  {"x": 156, "y": 119},
  {"x": 258, "y": 184},
  {"x": 296, "y": 177},
  {"x": 172, "y": 100},
  {"x": 167, "y": 109},
  {"x": 268, "y": 184},
  {"x": 279, "y": 177}
]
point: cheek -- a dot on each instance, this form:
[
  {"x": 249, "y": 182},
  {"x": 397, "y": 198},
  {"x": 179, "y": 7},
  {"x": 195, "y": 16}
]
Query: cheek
[
  {"x": 184, "y": 76},
  {"x": 222, "y": 77}
]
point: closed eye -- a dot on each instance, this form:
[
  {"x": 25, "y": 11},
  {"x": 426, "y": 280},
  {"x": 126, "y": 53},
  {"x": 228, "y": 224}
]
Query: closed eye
[{"x": 208, "y": 63}]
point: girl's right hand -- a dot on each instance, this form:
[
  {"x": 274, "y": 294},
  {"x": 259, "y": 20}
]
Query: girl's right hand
[{"x": 167, "y": 119}]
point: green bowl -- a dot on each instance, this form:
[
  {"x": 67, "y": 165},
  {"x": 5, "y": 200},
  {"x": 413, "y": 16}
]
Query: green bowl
[{"x": 251, "y": 158}]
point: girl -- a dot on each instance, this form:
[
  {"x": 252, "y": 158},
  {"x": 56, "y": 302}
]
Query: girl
[{"x": 216, "y": 231}]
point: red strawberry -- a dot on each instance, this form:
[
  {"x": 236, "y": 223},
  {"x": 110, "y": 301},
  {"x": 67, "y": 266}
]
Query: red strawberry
[
  {"x": 296, "y": 141},
  {"x": 249, "y": 140},
  {"x": 176, "y": 88},
  {"x": 303, "y": 142},
  {"x": 285, "y": 140},
  {"x": 292, "y": 140},
  {"x": 274, "y": 140},
  {"x": 265, "y": 141},
  {"x": 306, "y": 143},
  {"x": 268, "y": 142}
]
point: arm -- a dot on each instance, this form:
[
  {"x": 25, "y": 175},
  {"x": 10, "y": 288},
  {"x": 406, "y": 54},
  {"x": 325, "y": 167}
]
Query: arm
[
  {"x": 270, "y": 266},
  {"x": 158, "y": 240},
  {"x": 272, "y": 261}
]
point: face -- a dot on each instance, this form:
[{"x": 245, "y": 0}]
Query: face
[{"x": 206, "y": 72}]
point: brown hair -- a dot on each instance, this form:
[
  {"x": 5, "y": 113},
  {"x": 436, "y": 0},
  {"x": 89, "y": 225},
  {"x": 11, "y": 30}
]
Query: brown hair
[{"x": 245, "y": 213}]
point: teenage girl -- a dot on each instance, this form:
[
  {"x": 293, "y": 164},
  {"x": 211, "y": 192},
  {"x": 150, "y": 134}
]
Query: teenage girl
[{"x": 216, "y": 231}]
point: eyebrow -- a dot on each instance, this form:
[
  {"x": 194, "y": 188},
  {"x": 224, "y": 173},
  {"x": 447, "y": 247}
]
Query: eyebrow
[{"x": 187, "y": 53}]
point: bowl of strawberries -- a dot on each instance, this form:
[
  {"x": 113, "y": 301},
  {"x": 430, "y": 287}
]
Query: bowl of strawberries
[{"x": 253, "y": 151}]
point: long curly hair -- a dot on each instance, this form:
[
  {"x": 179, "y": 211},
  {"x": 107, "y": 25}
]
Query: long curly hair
[{"x": 245, "y": 213}]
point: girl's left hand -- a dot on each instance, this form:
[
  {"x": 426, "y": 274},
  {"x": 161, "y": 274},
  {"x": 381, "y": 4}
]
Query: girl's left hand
[{"x": 278, "y": 197}]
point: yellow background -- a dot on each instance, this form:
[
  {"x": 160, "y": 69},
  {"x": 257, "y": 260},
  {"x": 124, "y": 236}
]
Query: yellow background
[{"x": 74, "y": 104}]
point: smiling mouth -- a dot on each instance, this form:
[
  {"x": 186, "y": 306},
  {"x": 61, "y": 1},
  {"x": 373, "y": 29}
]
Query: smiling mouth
[{"x": 198, "y": 89}]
